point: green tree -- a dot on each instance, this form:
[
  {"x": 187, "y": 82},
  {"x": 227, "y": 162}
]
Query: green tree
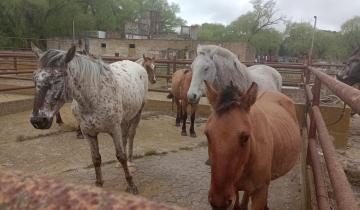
[
  {"x": 211, "y": 32},
  {"x": 351, "y": 33},
  {"x": 41, "y": 19},
  {"x": 262, "y": 17},
  {"x": 267, "y": 42},
  {"x": 297, "y": 38}
]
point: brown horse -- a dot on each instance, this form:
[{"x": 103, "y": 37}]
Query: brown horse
[
  {"x": 180, "y": 84},
  {"x": 252, "y": 140}
]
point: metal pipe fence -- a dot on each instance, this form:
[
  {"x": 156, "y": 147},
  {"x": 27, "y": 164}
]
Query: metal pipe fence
[{"x": 344, "y": 196}]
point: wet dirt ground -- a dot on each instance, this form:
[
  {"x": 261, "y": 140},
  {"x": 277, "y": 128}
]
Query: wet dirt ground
[{"x": 168, "y": 167}]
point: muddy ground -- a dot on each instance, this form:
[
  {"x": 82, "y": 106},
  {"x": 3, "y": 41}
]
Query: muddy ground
[{"x": 169, "y": 168}]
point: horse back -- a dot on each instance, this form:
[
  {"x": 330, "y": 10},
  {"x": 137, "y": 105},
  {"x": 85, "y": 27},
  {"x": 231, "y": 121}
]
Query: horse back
[
  {"x": 285, "y": 132},
  {"x": 180, "y": 83}
]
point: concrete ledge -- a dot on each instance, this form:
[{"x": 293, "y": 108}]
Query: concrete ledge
[
  {"x": 337, "y": 119},
  {"x": 12, "y": 103}
]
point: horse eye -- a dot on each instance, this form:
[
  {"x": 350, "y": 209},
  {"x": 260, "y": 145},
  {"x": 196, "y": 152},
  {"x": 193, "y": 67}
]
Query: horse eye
[{"x": 207, "y": 68}]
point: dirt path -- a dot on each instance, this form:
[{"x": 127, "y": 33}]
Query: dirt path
[{"x": 169, "y": 168}]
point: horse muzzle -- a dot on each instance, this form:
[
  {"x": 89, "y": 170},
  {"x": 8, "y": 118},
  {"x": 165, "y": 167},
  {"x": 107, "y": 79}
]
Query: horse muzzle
[
  {"x": 193, "y": 98},
  {"x": 41, "y": 122}
]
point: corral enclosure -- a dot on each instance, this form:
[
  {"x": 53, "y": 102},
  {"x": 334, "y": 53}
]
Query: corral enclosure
[{"x": 169, "y": 168}]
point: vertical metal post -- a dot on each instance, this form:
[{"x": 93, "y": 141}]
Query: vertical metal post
[
  {"x": 312, "y": 41},
  {"x": 73, "y": 31}
]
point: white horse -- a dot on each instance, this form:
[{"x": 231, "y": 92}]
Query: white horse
[
  {"x": 219, "y": 66},
  {"x": 107, "y": 98}
]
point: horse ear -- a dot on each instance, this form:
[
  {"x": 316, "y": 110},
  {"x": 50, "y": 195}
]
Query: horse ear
[
  {"x": 211, "y": 94},
  {"x": 38, "y": 53},
  {"x": 70, "y": 54},
  {"x": 144, "y": 57},
  {"x": 249, "y": 98}
]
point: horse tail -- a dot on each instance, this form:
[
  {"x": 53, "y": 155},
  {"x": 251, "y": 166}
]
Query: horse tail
[{"x": 170, "y": 96}]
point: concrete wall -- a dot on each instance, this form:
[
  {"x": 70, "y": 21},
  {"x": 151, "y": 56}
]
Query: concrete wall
[{"x": 159, "y": 48}]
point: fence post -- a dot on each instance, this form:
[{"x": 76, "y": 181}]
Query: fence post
[{"x": 174, "y": 64}]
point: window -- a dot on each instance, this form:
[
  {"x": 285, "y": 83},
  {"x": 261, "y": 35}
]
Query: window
[
  {"x": 131, "y": 45},
  {"x": 117, "y": 54},
  {"x": 103, "y": 45}
]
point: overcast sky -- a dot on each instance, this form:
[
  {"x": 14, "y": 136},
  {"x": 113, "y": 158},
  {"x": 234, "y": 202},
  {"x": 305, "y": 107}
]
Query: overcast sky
[{"x": 331, "y": 13}]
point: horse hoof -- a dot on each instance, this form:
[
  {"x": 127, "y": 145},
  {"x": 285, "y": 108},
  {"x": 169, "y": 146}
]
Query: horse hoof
[
  {"x": 208, "y": 162},
  {"x": 193, "y": 135},
  {"x": 132, "y": 189},
  {"x": 80, "y": 136},
  {"x": 183, "y": 133},
  {"x": 130, "y": 164},
  {"x": 99, "y": 184}
]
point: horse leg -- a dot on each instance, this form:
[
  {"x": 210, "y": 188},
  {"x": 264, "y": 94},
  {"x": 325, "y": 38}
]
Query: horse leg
[
  {"x": 121, "y": 156},
  {"x": 178, "y": 112},
  {"x": 96, "y": 158},
  {"x": 259, "y": 199},
  {"x": 132, "y": 132},
  {"x": 192, "y": 130},
  {"x": 59, "y": 121},
  {"x": 244, "y": 201},
  {"x": 184, "y": 118}
]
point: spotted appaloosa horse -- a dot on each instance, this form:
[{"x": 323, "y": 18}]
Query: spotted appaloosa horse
[
  {"x": 251, "y": 140},
  {"x": 180, "y": 84},
  {"x": 106, "y": 98},
  {"x": 147, "y": 62}
]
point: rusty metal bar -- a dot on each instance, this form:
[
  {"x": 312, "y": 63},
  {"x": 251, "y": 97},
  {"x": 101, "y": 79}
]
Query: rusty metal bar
[
  {"x": 348, "y": 94},
  {"x": 344, "y": 196},
  {"x": 308, "y": 93},
  {"x": 16, "y": 88},
  {"x": 19, "y": 191},
  {"x": 17, "y": 72},
  {"x": 320, "y": 186}
]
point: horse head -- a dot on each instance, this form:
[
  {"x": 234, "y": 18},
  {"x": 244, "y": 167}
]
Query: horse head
[
  {"x": 351, "y": 73},
  {"x": 49, "y": 81},
  {"x": 149, "y": 65},
  {"x": 229, "y": 134},
  {"x": 203, "y": 68}
]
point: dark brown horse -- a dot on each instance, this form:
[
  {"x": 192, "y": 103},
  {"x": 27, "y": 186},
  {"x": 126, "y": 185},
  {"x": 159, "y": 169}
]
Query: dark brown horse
[
  {"x": 252, "y": 140},
  {"x": 351, "y": 73},
  {"x": 180, "y": 84}
]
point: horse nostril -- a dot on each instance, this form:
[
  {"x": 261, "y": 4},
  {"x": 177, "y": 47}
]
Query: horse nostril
[{"x": 194, "y": 96}]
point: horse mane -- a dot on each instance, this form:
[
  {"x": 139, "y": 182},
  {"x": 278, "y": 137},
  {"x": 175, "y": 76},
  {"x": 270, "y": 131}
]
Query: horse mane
[
  {"x": 85, "y": 68},
  {"x": 228, "y": 67},
  {"x": 213, "y": 49},
  {"x": 228, "y": 98}
]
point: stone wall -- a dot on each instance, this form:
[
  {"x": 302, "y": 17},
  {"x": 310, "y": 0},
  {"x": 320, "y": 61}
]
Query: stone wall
[{"x": 183, "y": 49}]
